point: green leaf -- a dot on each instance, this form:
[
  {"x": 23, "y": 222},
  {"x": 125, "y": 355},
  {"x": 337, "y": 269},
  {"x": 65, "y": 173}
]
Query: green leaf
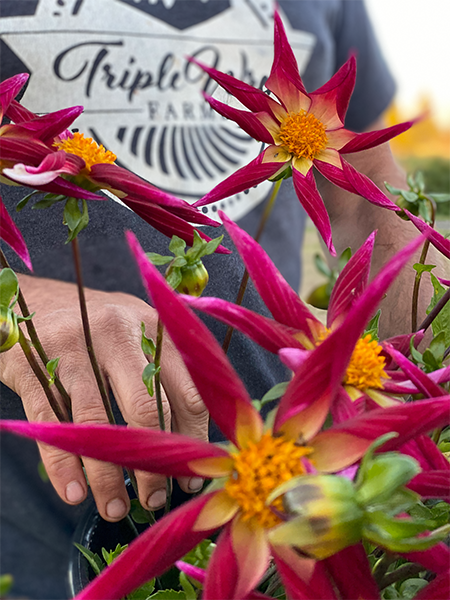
[
  {"x": 440, "y": 197},
  {"x": 411, "y": 587},
  {"x": 51, "y": 367},
  {"x": 168, "y": 595},
  {"x": 158, "y": 259},
  {"x": 75, "y": 219},
  {"x": 419, "y": 268},
  {"x": 409, "y": 196},
  {"x": 177, "y": 246},
  {"x": 138, "y": 513},
  {"x": 200, "y": 555},
  {"x": 144, "y": 592},
  {"x": 111, "y": 555},
  {"x": 321, "y": 265},
  {"x": 212, "y": 246},
  {"x": 410, "y": 180},
  {"x": 42, "y": 472},
  {"x": 46, "y": 203},
  {"x": 179, "y": 262},
  {"x": 372, "y": 326},
  {"x": 6, "y": 583},
  {"x": 344, "y": 258},
  {"x": 420, "y": 181},
  {"x": 147, "y": 344},
  {"x": 93, "y": 559},
  {"x": 276, "y": 392},
  {"x": 415, "y": 354},
  {"x": 442, "y": 322},
  {"x": 9, "y": 287},
  {"x": 22, "y": 203},
  {"x": 147, "y": 376},
  {"x": 393, "y": 190},
  {"x": 425, "y": 211},
  {"x": 187, "y": 587}
]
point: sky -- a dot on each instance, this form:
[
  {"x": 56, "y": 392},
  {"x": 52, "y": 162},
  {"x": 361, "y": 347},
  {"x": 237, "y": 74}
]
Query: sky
[{"x": 415, "y": 37}]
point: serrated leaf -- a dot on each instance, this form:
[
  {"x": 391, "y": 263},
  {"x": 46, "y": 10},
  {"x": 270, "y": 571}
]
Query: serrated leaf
[
  {"x": 9, "y": 287},
  {"x": 51, "y": 367},
  {"x": 200, "y": 555},
  {"x": 409, "y": 196},
  {"x": 158, "y": 259},
  {"x": 177, "y": 246},
  {"x": 275, "y": 392},
  {"x": 147, "y": 376},
  {"x": 410, "y": 587},
  {"x": 147, "y": 344},
  {"x": 430, "y": 362},
  {"x": 93, "y": 559},
  {"x": 438, "y": 347}
]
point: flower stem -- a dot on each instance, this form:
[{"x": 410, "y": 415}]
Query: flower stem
[
  {"x": 36, "y": 341},
  {"x": 87, "y": 332},
  {"x": 418, "y": 277},
  {"x": 240, "y": 296},
  {"x": 403, "y": 572},
  {"x": 41, "y": 376},
  {"x": 435, "y": 311},
  {"x": 158, "y": 396}
]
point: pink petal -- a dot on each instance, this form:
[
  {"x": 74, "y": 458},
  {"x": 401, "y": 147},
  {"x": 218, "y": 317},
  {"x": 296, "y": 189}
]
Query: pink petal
[
  {"x": 351, "y": 282},
  {"x": 264, "y": 331},
  {"x": 437, "y": 589},
  {"x": 303, "y": 578},
  {"x": 438, "y": 240},
  {"x": 18, "y": 113},
  {"x": 277, "y": 294},
  {"x": 151, "y": 554},
  {"x": 247, "y": 121},
  {"x": 343, "y": 408},
  {"x": 223, "y": 570},
  {"x": 136, "y": 448},
  {"x": 427, "y": 454},
  {"x": 366, "y": 188},
  {"x": 361, "y": 583},
  {"x": 293, "y": 358},
  {"x": 48, "y": 127},
  {"x": 436, "y": 559},
  {"x": 218, "y": 384},
  {"x": 243, "y": 179},
  {"x": 306, "y": 190},
  {"x": 338, "y": 90},
  {"x": 51, "y": 166},
  {"x": 59, "y": 185},
  {"x": 10, "y": 234},
  {"x": 435, "y": 484},
  {"x": 9, "y": 88},
  {"x": 401, "y": 343},
  {"x": 191, "y": 571},
  {"x": 370, "y": 139},
  {"x": 416, "y": 375}
]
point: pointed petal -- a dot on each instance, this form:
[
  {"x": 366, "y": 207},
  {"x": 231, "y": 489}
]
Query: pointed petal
[
  {"x": 9, "y": 88},
  {"x": 361, "y": 584},
  {"x": 318, "y": 377},
  {"x": 48, "y": 127},
  {"x": 437, "y": 589},
  {"x": 10, "y": 234},
  {"x": 363, "y": 141},
  {"x": 338, "y": 138},
  {"x": 223, "y": 570},
  {"x": 51, "y": 166},
  {"x": 136, "y": 448},
  {"x": 306, "y": 190},
  {"x": 402, "y": 344},
  {"x": 218, "y": 384},
  {"x": 277, "y": 294},
  {"x": 366, "y": 188},
  {"x": 416, "y": 375},
  {"x": 247, "y": 121},
  {"x": 435, "y": 484},
  {"x": 168, "y": 223},
  {"x": 303, "y": 578},
  {"x": 351, "y": 282},
  {"x": 264, "y": 331},
  {"x": 284, "y": 79},
  {"x": 438, "y": 240},
  {"x": 343, "y": 408},
  {"x": 60, "y": 186},
  {"x": 219, "y": 509},
  {"x": 255, "y": 172},
  {"x": 343, "y": 444},
  {"x": 293, "y": 358},
  {"x": 151, "y": 554},
  {"x": 337, "y": 91},
  {"x": 427, "y": 454},
  {"x": 436, "y": 559}
]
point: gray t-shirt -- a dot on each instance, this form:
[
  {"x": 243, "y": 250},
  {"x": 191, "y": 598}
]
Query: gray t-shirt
[{"x": 124, "y": 60}]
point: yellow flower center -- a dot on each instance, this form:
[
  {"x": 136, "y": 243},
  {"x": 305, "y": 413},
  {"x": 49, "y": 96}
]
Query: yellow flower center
[
  {"x": 303, "y": 134},
  {"x": 366, "y": 368},
  {"x": 87, "y": 149},
  {"x": 258, "y": 470}
]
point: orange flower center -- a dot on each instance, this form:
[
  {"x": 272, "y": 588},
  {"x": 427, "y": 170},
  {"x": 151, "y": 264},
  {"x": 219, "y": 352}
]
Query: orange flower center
[
  {"x": 303, "y": 134},
  {"x": 258, "y": 470},
  {"x": 87, "y": 149},
  {"x": 366, "y": 368}
]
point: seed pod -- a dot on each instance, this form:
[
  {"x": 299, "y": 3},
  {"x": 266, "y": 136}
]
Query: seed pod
[{"x": 193, "y": 279}]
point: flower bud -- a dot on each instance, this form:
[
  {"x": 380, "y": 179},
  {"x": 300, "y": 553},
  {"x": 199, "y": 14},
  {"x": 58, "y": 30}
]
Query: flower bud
[
  {"x": 323, "y": 515},
  {"x": 193, "y": 279},
  {"x": 9, "y": 328}
]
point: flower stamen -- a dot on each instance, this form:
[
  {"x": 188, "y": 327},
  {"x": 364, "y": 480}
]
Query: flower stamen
[
  {"x": 303, "y": 134},
  {"x": 87, "y": 149},
  {"x": 258, "y": 470},
  {"x": 366, "y": 368}
]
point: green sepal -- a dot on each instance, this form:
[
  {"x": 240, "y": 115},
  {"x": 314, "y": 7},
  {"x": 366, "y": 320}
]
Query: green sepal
[
  {"x": 158, "y": 259},
  {"x": 174, "y": 277},
  {"x": 46, "y": 202},
  {"x": 440, "y": 197},
  {"x": 21, "y": 319},
  {"x": 177, "y": 246},
  {"x": 22, "y": 203},
  {"x": 147, "y": 376},
  {"x": 397, "y": 543},
  {"x": 391, "y": 189},
  {"x": 409, "y": 196},
  {"x": 372, "y": 326},
  {"x": 51, "y": 367},
  {"x": 147, "y": 344},
  {"x": 9, "y": 287}
]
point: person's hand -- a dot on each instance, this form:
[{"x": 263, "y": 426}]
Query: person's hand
[{"x": 115, "y": 320}]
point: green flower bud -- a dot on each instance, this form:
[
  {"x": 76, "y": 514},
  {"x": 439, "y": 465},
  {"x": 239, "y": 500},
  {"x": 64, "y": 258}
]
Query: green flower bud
[
  {"x": 193, "y": 279},
  {"x": 9, "y": 328},
  {"x": 324, "y": 515}
]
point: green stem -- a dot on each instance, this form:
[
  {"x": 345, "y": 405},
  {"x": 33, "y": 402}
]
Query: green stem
[
  {"x": 159, "y": 404},
  {"x": 418, "y": 277},
  {"x": 87, "y": 332},
  {"x": 435, "y": 311},
  {"x": 240, "y": 296},
  {"x": 382, "y": 566},
  {"x": 35, "y": 340},
  {"x": 41, "y": 376}
]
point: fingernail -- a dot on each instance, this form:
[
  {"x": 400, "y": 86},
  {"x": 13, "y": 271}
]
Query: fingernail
[
  {"x": 157, "y": 499},
  {"x": 195, "y": 484},
  {"x": 74, "y": 492},
  {"x": 115, "y": 509}
]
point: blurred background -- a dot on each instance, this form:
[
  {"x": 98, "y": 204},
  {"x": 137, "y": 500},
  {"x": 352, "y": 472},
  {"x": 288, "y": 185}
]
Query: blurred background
[{"x": 414, "y": 36}]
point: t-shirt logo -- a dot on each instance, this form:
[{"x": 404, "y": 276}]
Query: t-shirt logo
[{"x": 125, "y": 61}]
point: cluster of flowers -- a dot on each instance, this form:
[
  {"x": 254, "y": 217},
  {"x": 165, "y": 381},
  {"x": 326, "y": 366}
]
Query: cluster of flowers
[{"x": 289, "y": 489}]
